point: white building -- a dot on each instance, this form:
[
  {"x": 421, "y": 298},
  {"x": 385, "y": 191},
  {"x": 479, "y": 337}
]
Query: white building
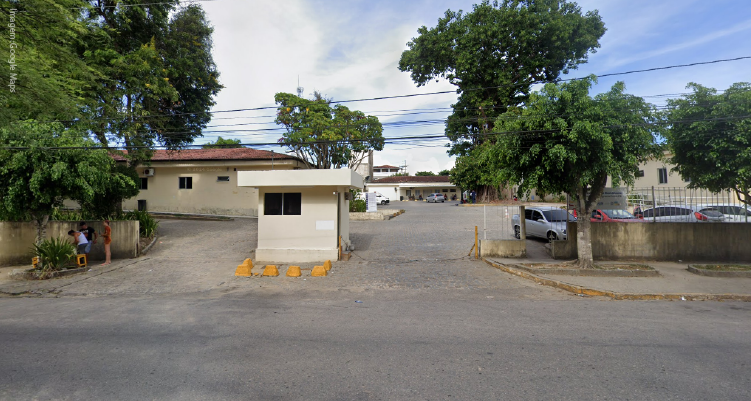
[{"x": 403, "y": 188}]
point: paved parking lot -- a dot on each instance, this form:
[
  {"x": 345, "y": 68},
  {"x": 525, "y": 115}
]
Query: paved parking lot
[{"x": 425, "y": 248}]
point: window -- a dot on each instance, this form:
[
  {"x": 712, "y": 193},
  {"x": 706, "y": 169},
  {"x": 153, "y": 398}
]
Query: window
[
  {"x": 276, "y": 204},
  {"x": 186, "y": 182},
  {"x": 640, "y": 173},
  {"x": 223, "y": 178},
  {"x": 445, "y": 190},
  {"x": 452, "y": 190},
  {"x": 144, "y": 183},
  {"x": 663, "y": 175}
]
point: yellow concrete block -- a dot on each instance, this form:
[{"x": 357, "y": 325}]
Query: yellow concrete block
[
  {"x": 270, "y": 271},
  {"x": 244, "y": 269},
  {"x": 294, "y": 271},
  {"x": 327, "y": 265},
  {"x": 81, "y": 260},
  {"x": 319, "y": 271}
]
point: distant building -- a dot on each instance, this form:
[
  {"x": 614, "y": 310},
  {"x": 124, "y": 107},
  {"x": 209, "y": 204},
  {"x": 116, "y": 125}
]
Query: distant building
[
  {"x": 204, "y": 181},
  {"x": 384, "y": 171},
  {"x": 404, "y": 187}
]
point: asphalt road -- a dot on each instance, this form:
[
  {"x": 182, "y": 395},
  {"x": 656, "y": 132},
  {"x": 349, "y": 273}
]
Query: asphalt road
[{"x": 394, "y": 345}]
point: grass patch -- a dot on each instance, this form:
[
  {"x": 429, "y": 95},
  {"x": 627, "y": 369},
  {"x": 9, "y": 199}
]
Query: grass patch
[
  {"x": 609, "y": 267},
  {"x": 725, "y": 268}
]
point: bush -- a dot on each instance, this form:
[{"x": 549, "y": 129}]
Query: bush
[
  {"x": 55, "y": 253},
  {"x": 147, "y": 223},
  {"x": 357, "y": 205}
]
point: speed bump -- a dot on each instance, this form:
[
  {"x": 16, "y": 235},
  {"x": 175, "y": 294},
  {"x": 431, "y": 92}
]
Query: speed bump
[
  {"x": 270, "y": 271},
  {"x": 327, "y": 265},
  {"x": 294, "y": 271},
  {"x": 319, "y": 271},
  {"x": 244, "y": 268}
]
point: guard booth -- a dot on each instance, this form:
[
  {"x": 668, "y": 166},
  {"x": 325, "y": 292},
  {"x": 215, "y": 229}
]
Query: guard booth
[{"x": 302, "y": 214}]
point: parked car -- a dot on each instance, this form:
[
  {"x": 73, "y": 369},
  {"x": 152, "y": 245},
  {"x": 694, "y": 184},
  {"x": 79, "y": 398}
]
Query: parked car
[
  {"x": 380, "y": 199},
  {"x": 435, "y": 198},
  {"x": 614, "y": 215},
  {"x": 544, "y": 222},
  {"x": 732, "y": 213},
  {"x": 679, "y": 213}
]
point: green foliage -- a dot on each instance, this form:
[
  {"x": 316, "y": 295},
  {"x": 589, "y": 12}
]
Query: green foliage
[
  {"x": 223, "y": 143},
  {"x": 424, "y": 174},
  {"x": 120, "y": 185},
  {"x": 36, "y": 177},
  {"x": 42, "y": 75},
  {"x": 157, "y": 78},
  {"x": 147, "y": 223},
  {"x": 325, "y": 136},
  {"x": 357, "y": 205},
  {"x": 444, "y": 173},
  {"x": 55, "y": 253},
  {"x": 710, "y": 138},
  {"x": 503, "y": 48},
  {"x": 566, "y": 141}
]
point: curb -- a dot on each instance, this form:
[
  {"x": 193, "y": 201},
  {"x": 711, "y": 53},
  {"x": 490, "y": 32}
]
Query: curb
[
  {"x": 591, "y": 273},
  {"x": 617, "y": 295},
  {"x": 147, "y": 247},
  {"x": 715, "y": 273}
]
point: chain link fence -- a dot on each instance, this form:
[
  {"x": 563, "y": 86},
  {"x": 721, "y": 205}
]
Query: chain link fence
[
  {"x": 497, "y": 222},
  {"x": 661, "y": 203}
]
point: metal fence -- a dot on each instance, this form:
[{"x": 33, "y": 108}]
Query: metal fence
[
  {"x": 497, "y": 222},
  {"x": 727, "y": 203}
]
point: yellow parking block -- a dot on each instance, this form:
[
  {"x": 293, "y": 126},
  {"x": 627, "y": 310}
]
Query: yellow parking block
[
  {"x": 245, "y": 268},
  {"x": 319, "y": 271},
  {"x": 327, "y": 265},
  {"x": 294, "y": 271},
  {"x": 270, "y": 271}
]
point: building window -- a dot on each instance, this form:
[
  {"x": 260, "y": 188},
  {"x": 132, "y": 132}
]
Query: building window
[
  {"x": 640, "y": 173},
  {"x": 663, "y": 175},
  {"x": 144, "y": 183},
  {"x": 452, "y": 190},
  {"x": 288, "y": 204},
  {"x": 223, "y": 178},
  {"x": 444, "y": 190},
  {"x": 186, "y": 182}
]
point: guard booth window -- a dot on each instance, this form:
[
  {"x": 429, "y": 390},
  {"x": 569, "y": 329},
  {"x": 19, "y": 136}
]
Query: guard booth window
[{"x": 276, "y": 204}]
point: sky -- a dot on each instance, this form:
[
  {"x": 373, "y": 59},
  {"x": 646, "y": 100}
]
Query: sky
[{"x": 350, "y": 49}]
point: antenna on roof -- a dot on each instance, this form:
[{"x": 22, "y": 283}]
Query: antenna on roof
[{"x": 300, "y": 89}]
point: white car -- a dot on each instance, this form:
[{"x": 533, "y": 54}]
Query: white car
[
  {"x": 380, "y": 199},
  {"x": 682, "y": 213},
  {"x": 733, "y": 213},
  {"x": 544, "y": 222},
  {"x": 435, "y": 198}
]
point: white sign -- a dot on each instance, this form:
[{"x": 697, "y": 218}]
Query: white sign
[
  {"x": 324, "y": 225},
  {"x": 612, "y": 198},
  {"x": 370, "y": 202}
]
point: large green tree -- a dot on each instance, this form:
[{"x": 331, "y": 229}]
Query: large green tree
[
  {"x": 326, "y": 136},
  {"x": 563, "y": 140},
  {"x": 42, "y": 76},
  {"x": 223, "y": 143},
  {"x": 710, "y": 138},
  {"x": 494, "y": 54},
  {"x": 43, "y": 164},
  {"x": 157, "y": 78}
]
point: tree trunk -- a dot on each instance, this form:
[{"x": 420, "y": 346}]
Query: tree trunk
[
  {"x": 487, "y": 193},
  {"x": 41, "y": 228},
  {"x": 584, "y": 241}
]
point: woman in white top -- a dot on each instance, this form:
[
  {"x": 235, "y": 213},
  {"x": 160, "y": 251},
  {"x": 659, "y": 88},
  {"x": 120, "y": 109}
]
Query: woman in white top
[{"x": 81, "y": 241}]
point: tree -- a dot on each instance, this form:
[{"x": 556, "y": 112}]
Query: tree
[
  {"x": 444, "y": 172},
  {"x": 44, "y": 76},
  {"x": 566, "y": 141},
  {"x": 424, "y": 174},
  {"x": 43, "y": 164},
  {"x": 494, "y": 55},
  {"x": 223, "y": 143},
  {"x": 157, "y": 78},
  {"x": 324, "y": 136},
  {"x": 710, "y": 138},
  {"x": 121, "y": 185}
]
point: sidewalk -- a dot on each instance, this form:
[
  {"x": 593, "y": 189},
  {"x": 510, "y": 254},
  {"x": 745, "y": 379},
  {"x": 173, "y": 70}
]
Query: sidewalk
[{"x": 675, "y": 282}]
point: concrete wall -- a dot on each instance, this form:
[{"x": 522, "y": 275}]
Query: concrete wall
[
  {"x": 503, "y": 248},
  {"x": 16, "y": 239},
  {"x": 719, "y": 242}
]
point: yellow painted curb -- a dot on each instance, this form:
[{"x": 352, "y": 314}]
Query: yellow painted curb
[
  {"x": 616, "y": 295},
  {"x": 294, "y": 271},
  {"x": 319, "y": 271},
  {"x": 244, "y": 269},
  {"x": 327, "y": 265},
  {"x": 270, "y": 271}
]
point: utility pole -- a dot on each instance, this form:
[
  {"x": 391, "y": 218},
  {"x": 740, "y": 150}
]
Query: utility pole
[{"x": 403, "y": 168}]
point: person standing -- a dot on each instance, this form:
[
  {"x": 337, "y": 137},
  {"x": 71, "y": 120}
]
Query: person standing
[
  {"x": 107, "y": 235},
  {"x": 81, "y": 241},
  {"x": 91, "y": 235},
  {"x": 474, "y": 196}
]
